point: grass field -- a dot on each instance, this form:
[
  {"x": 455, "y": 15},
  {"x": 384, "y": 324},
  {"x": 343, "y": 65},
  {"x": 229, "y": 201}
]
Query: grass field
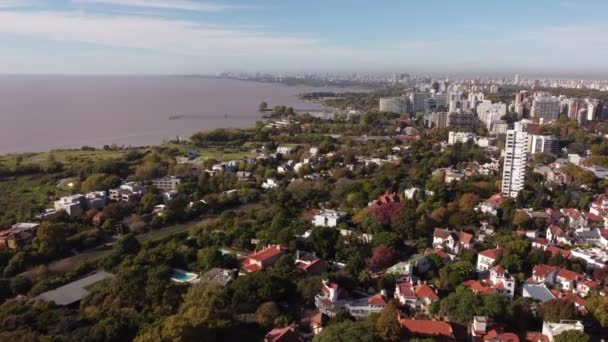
[
  {"x": 26, "y": 195},
  {"x": 62, "y": 156}
]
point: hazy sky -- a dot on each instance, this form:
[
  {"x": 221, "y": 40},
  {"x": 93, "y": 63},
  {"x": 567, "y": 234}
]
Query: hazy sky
[{"x": 197, "y": 36}]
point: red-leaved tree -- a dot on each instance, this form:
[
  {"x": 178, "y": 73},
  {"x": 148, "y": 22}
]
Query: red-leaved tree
[
  {"x": 382, "y": 257},
  {"x": 384, "y": 213}
]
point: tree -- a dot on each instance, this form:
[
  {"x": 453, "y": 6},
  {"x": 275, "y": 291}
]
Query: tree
[
  {"x": 20, "y": 285},
  {"x": 308, "y": 287},
  {"x": 51, "y": 239},
  {"x": 387, "y": 326},
  {"x": 266, "y": 314},
  {"x": 598, "y": 308},
  {"x": 382, "y": 257},
  {"x": 208, "y": 258},
  {"x": 100, "y": 181},
  {"x": 572, "y": 336},
  {"x": 384, "y": 213},
  {"x": 324, "y": 241},
  {"x": 347, "y": 331},
  {"x": 149, "y": 201},
  {"x": 126, "y": 244},
  {"x": 557, "y": 309},
  {"x": 263, "y": 106}
]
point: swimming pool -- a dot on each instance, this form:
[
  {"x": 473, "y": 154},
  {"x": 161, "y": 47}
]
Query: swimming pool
[{"x": 181, "y": 276}]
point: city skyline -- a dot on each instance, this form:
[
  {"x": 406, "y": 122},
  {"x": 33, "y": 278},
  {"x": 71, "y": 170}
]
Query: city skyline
[{"x": 187, "y": 36}]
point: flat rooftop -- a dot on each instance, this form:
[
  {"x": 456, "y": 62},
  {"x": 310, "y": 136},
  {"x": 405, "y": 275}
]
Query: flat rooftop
[{"x": 74, "y": 291}]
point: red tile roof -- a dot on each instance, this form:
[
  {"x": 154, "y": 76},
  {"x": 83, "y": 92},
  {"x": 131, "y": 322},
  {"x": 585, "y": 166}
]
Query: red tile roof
[
  {"x": 493, "y": 253},
  {"x": 496, "y": 199},
  {"x": 465, "y": 238},
  {"x": 266, "y": 253},
  {"x": 377, "y": 299},
  {"x": 569, "y": 275},
  {"x": 428, "y": 328},
  {"x": 478, "y": 287},
  {"x": 496, "y": 336},
  {"x": 425, "y": 291},
  {"x": 406, "y": 289},
  {"x": 282, "y": 335},
  {"x": 536, "y": 337},
  {"x": 556, "y": 250},
  {"x": 442, "y": 233},
  {"x": 542, "y": 270},
  {"x": 571, "y": 297}
]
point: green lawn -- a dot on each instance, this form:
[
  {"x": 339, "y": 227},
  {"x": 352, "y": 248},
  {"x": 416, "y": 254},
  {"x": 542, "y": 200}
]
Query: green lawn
[
  {"x": 63, "y": 156},
  {"x": 25, "y": 195}
]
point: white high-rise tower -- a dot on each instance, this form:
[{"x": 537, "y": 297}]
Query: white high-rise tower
[{"x": 516, "y": 157}]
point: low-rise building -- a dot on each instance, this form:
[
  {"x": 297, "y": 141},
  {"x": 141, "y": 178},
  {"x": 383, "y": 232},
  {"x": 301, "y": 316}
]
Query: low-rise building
[
  {"x": 167, "y": 183},
  {"x": 417, "y": 297},
  {"x": 261, "y": 260},
  {"x": 128, "y": 192},
  {"x": 73, "y": 292},
  {"x": 487, "y": 258},
  {"x": 270, "y": 183},
  {"x": 551, "y": 329},
  {"x": 328, "y": 218},
  {"x": 451, "y": 241}
]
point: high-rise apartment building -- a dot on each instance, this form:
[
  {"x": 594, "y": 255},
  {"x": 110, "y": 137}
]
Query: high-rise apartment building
[
  {"x": 394, "y": 104},
  {"x": 545, "y": 107},
  {"x": 516, "y": 157}
]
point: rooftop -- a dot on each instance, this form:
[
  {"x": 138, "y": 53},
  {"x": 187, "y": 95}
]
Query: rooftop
[{"x": 74, "y": 291}]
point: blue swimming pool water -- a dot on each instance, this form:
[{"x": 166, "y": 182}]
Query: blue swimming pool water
[{"x": 181, "y": 276}]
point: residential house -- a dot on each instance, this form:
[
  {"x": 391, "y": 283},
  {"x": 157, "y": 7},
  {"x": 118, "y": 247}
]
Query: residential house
[
  {"x": 487, "y": 258},
  {"x": 538, "y": 292},
  {"x": 498, "y": 281},
  {"x": 451, "y": 241},
  {"x": 167, "y": 183},
  {"x": 417, "y": 297},
  {"x": 561, "y": 278},
  {"x": 574, "y": 218},
  {"x": 557, "y": 235},
  {"x": 75, "y": 205},
  {"x": 129, "y": 192},
  {"x": 261, "y": 260},
  {"x": 550, "y": 329},
  {"x": 388, "y": 197},
  {"x": 491, "y": 205},
  {"x": 218, "y": 276},
  {"x": 402, "y": 268},
  {"x": 328, "y": 218},
  {"x": 270, "y": 183},
  {"x": 318, "y": 322},
  {"x": 332, "y": 299},
  {"x": 15, "y": 238},
  {"x": 286, "y": 334},
  {"x": 310, "y": 263},
  {"x": 483, "y": 330},
  {"x": 285, "y": 150},
  {"x": 438, "y": 330},
  {"x": 72, "y": 293}
]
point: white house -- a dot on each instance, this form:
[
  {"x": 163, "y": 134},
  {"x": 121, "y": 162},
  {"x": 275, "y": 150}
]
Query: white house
[
  {"x": 270, "y": 183},
  {"x": 284, "y": 150},
  {"x": 551, "y": 329},
  {"x": 487, "y": 258},
  {"x": 328, "y": 218},
  {"x": 415, "y": 296},
  {"x": 451, "y": 241}
]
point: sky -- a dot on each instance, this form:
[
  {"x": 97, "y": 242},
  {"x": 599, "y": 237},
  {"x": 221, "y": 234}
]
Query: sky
[{"x": 203, "y": 37}]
